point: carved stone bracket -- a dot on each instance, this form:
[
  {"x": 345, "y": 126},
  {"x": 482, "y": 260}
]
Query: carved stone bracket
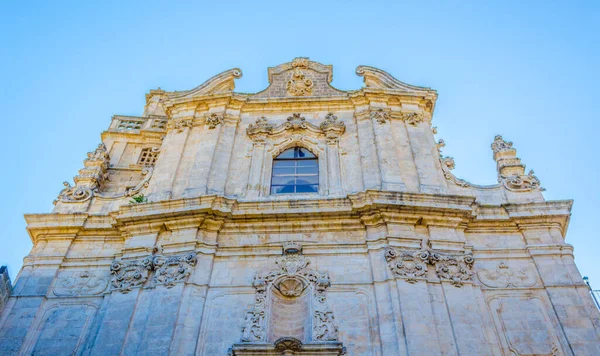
[
  {"x": 168, "y": 271},
  {"x": 290, "y": 277},
  {"x": 412, "y": 265}
]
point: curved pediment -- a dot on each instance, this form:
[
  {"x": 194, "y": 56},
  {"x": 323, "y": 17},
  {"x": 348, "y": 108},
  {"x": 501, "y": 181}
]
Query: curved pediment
[
  {"x": 219, "y": 84},
  {"x": 378, "y": 79},
  {"x": 299, "y": 78}
]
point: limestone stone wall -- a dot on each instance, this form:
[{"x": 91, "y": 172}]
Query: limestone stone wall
[{"x": 170, "y": 242}]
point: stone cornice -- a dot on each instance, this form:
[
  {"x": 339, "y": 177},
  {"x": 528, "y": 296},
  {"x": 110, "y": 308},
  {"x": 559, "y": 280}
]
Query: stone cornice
[{"x": 214, "y": 213}]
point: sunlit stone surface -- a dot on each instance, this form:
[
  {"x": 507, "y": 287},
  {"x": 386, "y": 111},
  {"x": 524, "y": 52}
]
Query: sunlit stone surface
[{"x": 173, "y": 240}]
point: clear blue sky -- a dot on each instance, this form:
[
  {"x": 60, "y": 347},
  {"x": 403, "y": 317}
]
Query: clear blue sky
[{"x": 528, "y": 70}]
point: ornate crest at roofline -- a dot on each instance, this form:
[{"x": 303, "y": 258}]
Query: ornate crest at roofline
[{"x": 299, "y": 78}]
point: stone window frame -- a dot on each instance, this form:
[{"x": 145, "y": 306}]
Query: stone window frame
[
  {"x": 148, "y": 156},
  {"x": 279, "y": 148},
  {"x": 270, "y": 141},
  {"x": 296, "y": 175}
]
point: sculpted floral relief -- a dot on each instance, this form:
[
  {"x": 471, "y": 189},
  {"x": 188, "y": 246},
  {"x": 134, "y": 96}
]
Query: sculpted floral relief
[
  {"x": 412, "y": 265},
  {"x": 168, "y": 270},
  {"x": 409, "y": 265},
  {"x": 173, "y": 269},
  {"x": 457, "y": 269}
]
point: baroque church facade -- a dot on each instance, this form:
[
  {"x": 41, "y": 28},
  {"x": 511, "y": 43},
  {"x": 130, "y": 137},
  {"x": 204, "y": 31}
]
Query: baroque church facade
[{"x": 299, "y": 220}]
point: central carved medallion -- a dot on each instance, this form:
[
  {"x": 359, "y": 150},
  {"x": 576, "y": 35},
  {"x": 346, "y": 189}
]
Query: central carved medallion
[{"x": 299, "y": 85}]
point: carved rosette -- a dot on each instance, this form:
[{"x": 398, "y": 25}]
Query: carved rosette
[
  {"x": 504, "y": 276},
  {"x": 213, "y": 120},
  {"x": 289, "y": 278},
  {"x": 80, "y": 284},
  {"x": 168, "y": 270},
  {"x": 412, "y": 265},
  {"x": 409, "y": 265}
]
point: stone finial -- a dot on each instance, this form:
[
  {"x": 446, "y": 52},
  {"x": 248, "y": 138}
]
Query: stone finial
[
  {"x": 505, "y": 155},
  {"x": 511, "y": 172}
]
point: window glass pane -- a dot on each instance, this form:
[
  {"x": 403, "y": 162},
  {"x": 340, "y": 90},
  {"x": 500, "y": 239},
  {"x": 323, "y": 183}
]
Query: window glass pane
[
  {"x": 283, "y": 180},
  {"x": 307, "y": 180},
  {"x": 307, "y": 188},
  {"x": 282, "y": 189},
  {"x": 283, "y": 171},
  {"x": 304, "y": 153},
  {"x": 284, "y": 163},
  {"x": 307, "y": 163},
  {"x": 307, "y": 170},
  {"x": 289, "y": 153}
]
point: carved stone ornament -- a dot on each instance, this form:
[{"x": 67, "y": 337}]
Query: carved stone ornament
[
  {"x": 285, "y": 345},
  {"x": 289, "y": 276},
  {"x": 447, "y": 166},
  {"x": 173, "y": 269},
  {"x": 331, "y": 128},
  {"x": 299, "y": 84},
  {"x": 128, "y": 275},
  {"x": 409, "y": 265},
  {"x": 180, "y": 124},
  {"x": 213, "y": 120},
  {"x": 168, "y": 270},
  {"x": 412, "y": 265},
  {"x": 80, "y": 284},
  {"x": 500, "y": 145},
  {"x": 457, "y": 269},
  {"x": 440, "y": 144},
  {"x": 504, "y": 276},
  {"x": 89, "y": 179},
  {"x": 380, "y": 116},
  {"x": 521, "y": 182},
  {"x": 261, "y": 126},
  {"x": 412, "y": 118}
]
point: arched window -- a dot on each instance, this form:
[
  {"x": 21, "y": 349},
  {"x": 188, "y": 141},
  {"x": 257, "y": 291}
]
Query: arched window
[{"x": 295, "y": 170}]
